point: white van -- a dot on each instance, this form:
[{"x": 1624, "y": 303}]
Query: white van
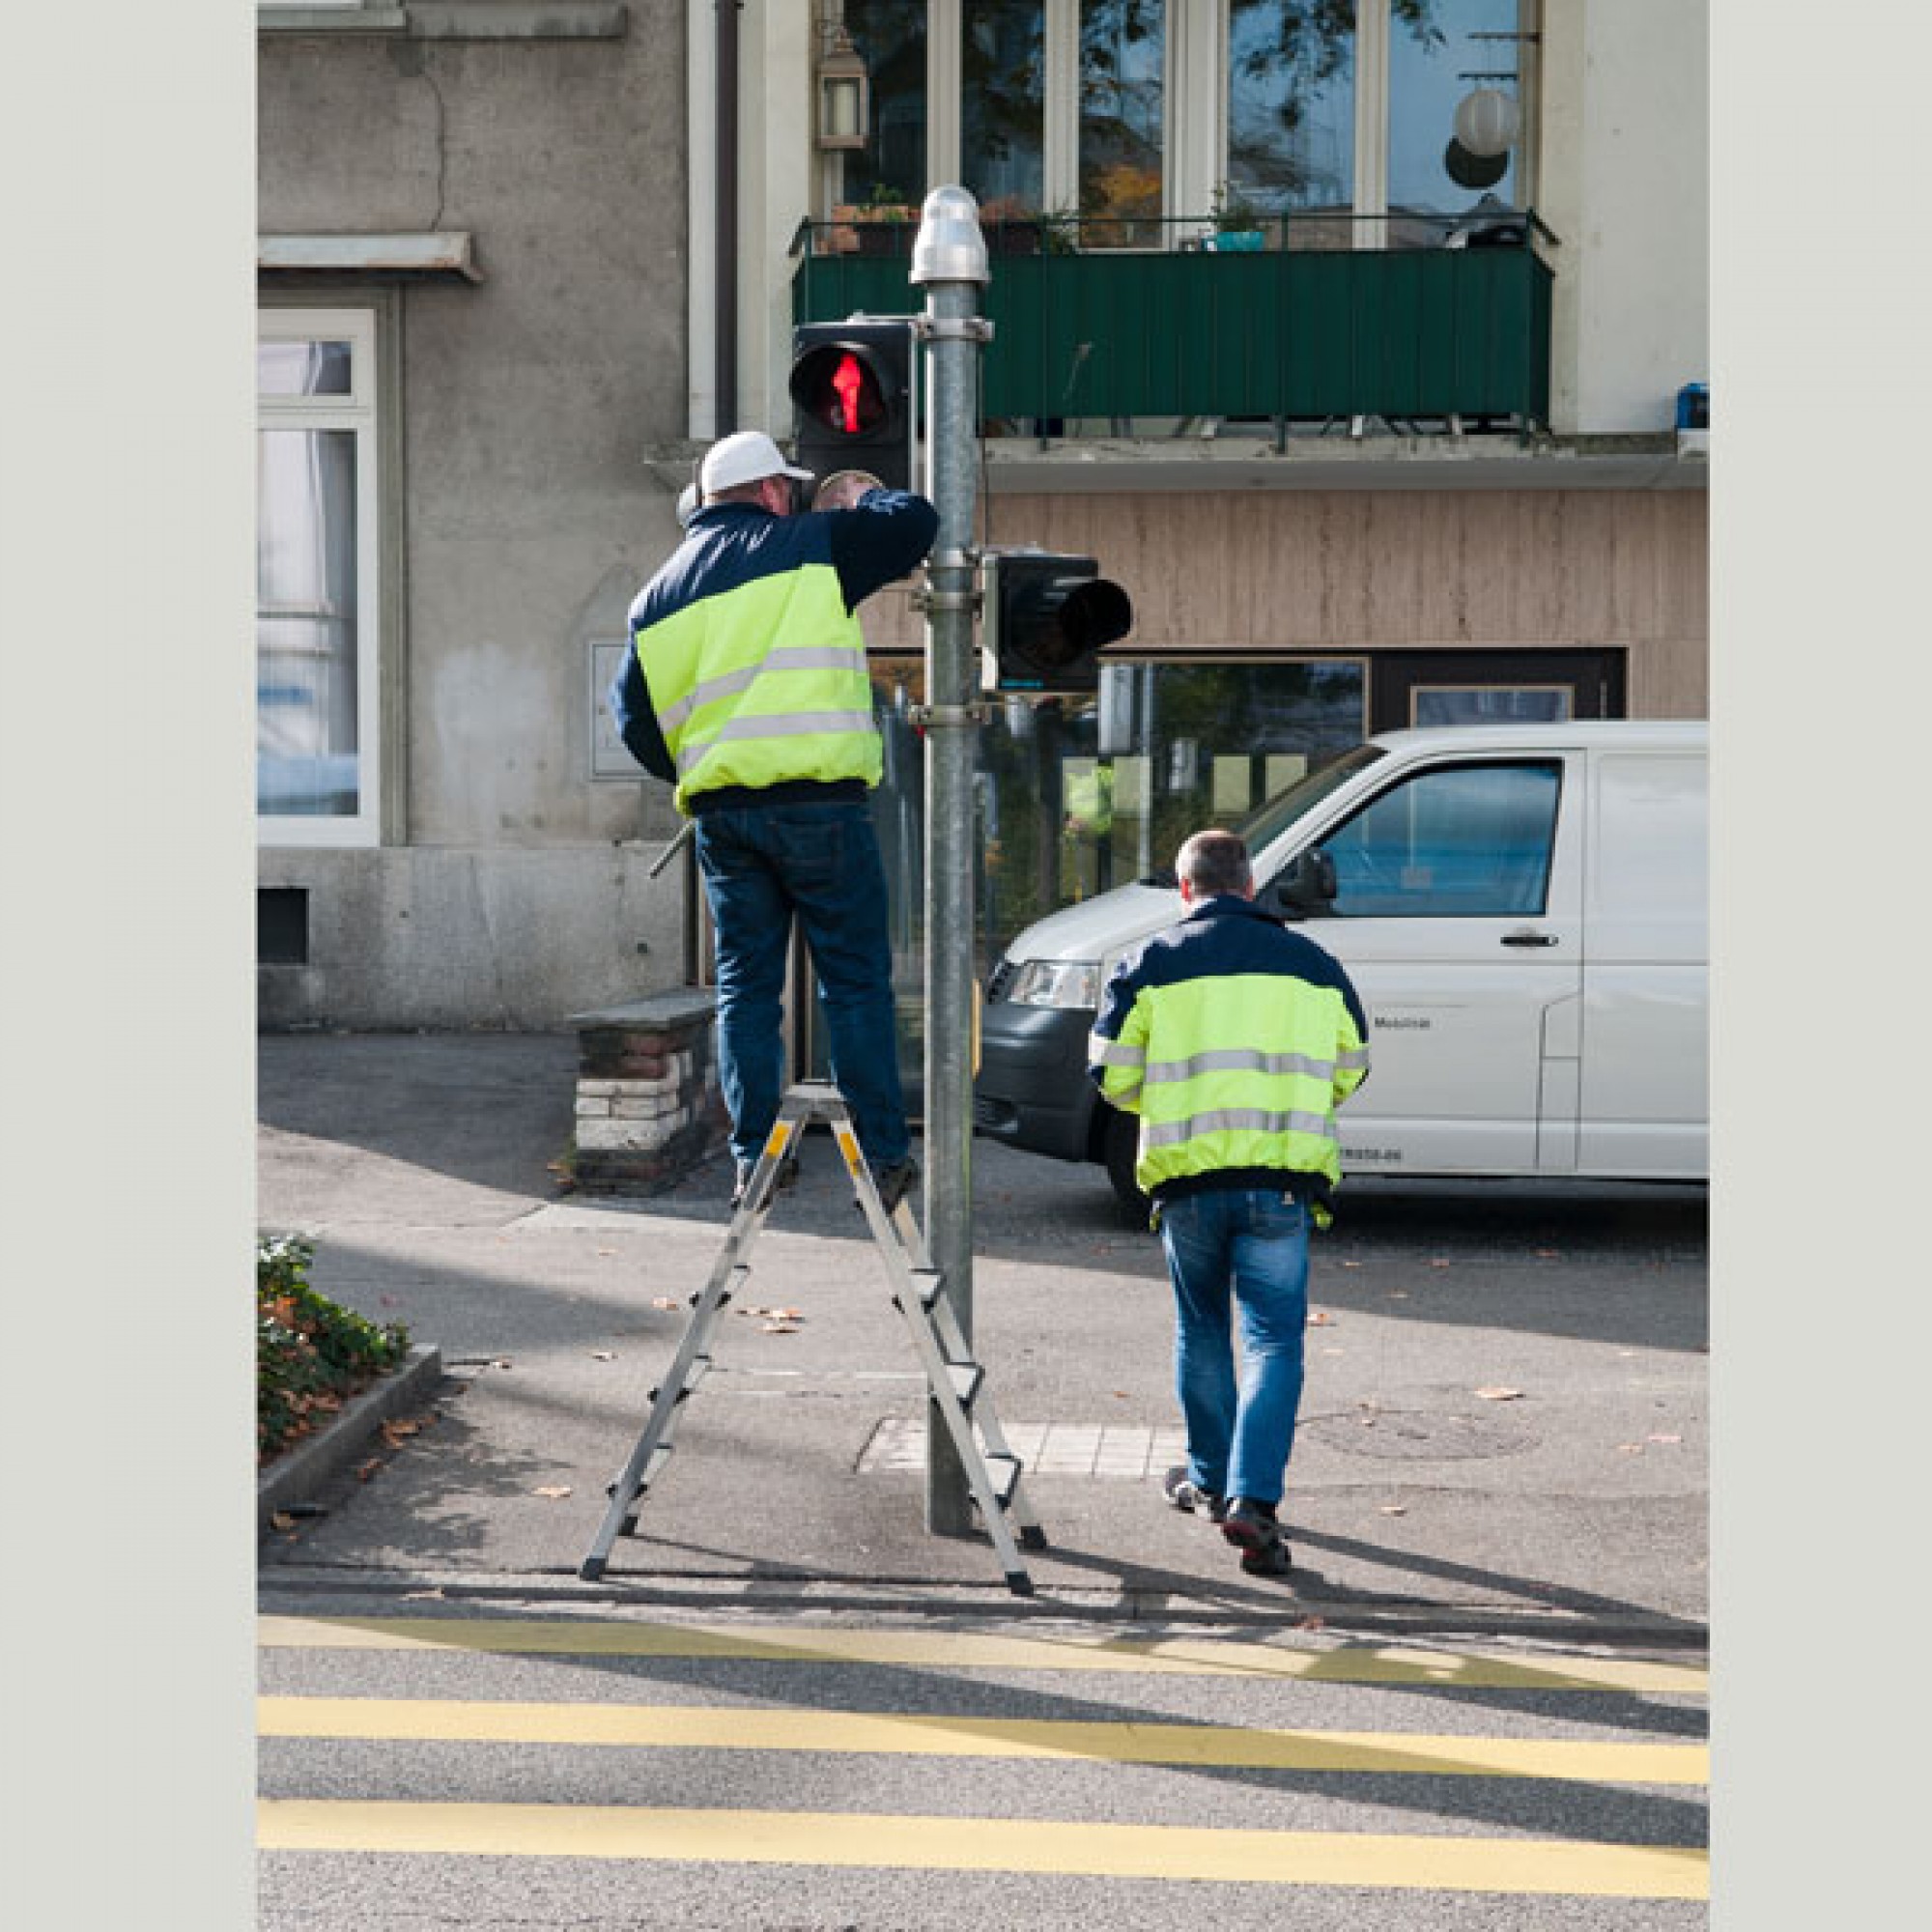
[{"x": 1523, "y": 910}]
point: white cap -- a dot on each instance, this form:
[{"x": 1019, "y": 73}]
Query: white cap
[{"x": 745, "y": 457}]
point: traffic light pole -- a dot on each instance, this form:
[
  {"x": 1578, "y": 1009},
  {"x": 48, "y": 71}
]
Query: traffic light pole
[{"x": 949, "y": 261}]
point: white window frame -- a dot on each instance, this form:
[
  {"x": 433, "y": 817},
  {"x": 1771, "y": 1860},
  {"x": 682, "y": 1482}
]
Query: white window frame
[
  {"x": 1195, "y": 144},
  {"x": 356, "y": 411}
]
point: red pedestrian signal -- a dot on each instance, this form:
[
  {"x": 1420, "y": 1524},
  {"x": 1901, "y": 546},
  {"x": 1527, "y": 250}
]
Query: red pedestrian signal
[{"x": 852, "y": 398}]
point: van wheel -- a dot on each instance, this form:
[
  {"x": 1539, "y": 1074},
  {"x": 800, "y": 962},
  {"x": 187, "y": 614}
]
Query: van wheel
[{"x": 1119, "y": 1144}]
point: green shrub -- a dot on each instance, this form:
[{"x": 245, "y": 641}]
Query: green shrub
[{"x": 310, "y": 1354}]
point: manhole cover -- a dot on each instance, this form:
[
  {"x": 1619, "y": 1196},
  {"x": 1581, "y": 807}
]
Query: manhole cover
[{"x": 1419, "y": 1435}]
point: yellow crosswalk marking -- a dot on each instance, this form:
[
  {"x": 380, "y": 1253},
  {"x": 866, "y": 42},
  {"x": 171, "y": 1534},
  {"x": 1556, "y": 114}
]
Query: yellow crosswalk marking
[
  {"x": 419, "y": 1720},
  {"x": 1572, "y": 1867},
  {"x": 1342, "y": 1663}
]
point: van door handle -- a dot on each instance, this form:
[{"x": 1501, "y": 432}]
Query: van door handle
[{"x": 1529, "y": 939}]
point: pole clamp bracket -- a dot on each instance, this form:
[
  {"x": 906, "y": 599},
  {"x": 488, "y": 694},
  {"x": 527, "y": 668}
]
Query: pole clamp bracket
[
  {"x": 926, "y": 716},
  {"x": 952, "y": 328},
  {"x": 930, "y": 601}
]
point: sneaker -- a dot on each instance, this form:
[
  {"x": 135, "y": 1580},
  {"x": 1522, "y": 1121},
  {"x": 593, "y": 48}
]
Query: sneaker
[
  {"x": 1251, "y": 1527},
  {"x": 1185, "y": 1493},
  {"x": 895, "y": 1182},
  {"x": 788, "y": 1178}
]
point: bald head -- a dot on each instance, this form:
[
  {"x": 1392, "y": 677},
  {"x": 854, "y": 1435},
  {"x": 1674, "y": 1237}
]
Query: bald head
[{"x": 1212, "y": 863}]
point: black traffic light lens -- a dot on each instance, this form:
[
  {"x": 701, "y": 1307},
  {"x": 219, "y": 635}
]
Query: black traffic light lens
[{"x": 1099, "y": 612}]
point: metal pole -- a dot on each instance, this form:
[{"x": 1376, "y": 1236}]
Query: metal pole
[{"x": 949, "y": 261}]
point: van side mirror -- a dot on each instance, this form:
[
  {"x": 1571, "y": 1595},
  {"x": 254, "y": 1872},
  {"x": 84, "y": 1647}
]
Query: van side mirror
[{"x": 1304, "y": 888}]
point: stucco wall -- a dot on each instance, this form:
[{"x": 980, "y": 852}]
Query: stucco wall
[
  {"x": 1626, "y": 187},
  {"x": 526, "y": 511}
]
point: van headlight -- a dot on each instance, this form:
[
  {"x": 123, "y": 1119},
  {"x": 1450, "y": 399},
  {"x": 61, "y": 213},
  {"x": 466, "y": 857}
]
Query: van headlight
[{"x": 1057, "y": 982}]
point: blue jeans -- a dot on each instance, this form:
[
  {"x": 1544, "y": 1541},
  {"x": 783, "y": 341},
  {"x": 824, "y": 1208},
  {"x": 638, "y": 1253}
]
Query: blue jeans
[
  {"x": 1255, "y": 1244},
  {"x": 762, "y": 865}
]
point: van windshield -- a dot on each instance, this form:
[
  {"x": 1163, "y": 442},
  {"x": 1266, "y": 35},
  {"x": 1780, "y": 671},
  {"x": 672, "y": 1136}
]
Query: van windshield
[{"x": 1267, "y": 822}]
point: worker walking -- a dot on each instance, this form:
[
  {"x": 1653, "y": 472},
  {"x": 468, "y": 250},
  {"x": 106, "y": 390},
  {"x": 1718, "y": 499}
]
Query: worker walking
[{"x": 1234, "y": 1040}]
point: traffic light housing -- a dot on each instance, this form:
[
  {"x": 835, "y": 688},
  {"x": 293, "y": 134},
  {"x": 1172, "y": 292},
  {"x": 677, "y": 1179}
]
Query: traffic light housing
[
  {"x": 854, "y": 399},
  {"x": 1046, "y": 618}
]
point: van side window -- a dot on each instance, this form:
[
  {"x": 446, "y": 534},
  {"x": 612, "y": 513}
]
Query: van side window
[{"x": 1457, "y": 841}]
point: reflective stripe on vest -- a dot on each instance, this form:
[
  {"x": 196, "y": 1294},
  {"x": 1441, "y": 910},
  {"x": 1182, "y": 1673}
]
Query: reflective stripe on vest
[
  {"x": 738, "y": 709},
  {"x": 1209, "y": 1098}
]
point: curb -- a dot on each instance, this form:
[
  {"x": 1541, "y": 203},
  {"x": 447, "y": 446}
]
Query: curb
[{"x": 296, "y": 1476}]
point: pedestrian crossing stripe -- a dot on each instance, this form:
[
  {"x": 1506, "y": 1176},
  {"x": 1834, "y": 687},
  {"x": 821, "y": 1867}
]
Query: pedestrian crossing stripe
[
  {"x": 1332, "y": 1663},
  {"x": 870, "y": 1840},
  {"x": 905, "y": 1734}
]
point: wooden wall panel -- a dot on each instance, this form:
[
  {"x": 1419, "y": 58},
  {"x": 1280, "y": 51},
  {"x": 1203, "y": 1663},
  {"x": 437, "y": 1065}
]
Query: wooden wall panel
[{"x": 1359, "y": 570}]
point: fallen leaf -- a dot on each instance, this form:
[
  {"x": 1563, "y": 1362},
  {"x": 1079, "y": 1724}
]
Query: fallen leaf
[
  {"x": 398, "y": 1428},
  {"x": 1320, "y": 1318},
  {"x": 282, "y": 1520},
  {"x": 663, "y": 1301},
  {"x": 553, "y": 1490},
  {"x": 368, "y": 1468},
  {"x": 1312, "y": 1624},
  {"x": 1500, "y": 1395},
  {"x": 602, "y": 1355},
  {"x": 1119, "y": 1395},
  {"x": 1395, "y": 1509},
  {"x": 778, "y": 1327}
]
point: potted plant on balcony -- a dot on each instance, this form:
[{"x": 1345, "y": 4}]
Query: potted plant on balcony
[
  {"x": 1236, "y": 220},
  {"x": 871, "y": 227}
]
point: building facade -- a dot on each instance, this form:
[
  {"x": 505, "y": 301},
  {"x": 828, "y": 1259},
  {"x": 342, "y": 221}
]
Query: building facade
[
  {"x": 472, "y": 279},
  {"x": 1376, "y": 423}
]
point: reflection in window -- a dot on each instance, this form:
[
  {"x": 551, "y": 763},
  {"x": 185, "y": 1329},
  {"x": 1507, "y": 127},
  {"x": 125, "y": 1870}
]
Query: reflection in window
[
  {"x": 1469, "y": 841},
  {"x": 1489, "y": 704},
  {"x": 890, "y": 36},
  {"x": 1122, "y": 101},
  {"x": 1291, "y": 106},
  {"x": 1002, "y": 103},
  {"x": 1441, "y": 58},
  {"x": 1077, "y": 795},
  {"x": 305, "y": 623},
  {"x": 303, "y": 369}
]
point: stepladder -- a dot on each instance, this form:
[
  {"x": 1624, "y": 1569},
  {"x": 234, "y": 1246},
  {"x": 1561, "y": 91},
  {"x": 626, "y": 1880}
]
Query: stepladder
[{"x": 955, "y": 1382}]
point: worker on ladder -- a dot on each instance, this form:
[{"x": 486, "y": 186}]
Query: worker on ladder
[{"x": 745, "y": 687}]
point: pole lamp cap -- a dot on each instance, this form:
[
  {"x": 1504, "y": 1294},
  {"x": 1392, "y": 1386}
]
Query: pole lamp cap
[{"x": 949, "y": 248}]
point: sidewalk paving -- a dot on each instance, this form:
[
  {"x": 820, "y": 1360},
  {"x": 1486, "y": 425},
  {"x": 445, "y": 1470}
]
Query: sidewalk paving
[{"x": 419, "y": 1164}]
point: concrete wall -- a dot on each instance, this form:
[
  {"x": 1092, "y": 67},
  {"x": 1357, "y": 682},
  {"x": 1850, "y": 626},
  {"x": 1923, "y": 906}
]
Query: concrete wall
[
  {"x": 1626, "y": 187},
  {"x": 508, "y": 884}
]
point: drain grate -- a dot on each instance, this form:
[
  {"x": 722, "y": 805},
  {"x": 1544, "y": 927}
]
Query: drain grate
[{"x": 1419, "y": 1435}]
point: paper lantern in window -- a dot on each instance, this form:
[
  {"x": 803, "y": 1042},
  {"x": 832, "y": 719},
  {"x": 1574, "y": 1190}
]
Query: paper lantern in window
[{"x": 1488, "y": 122}]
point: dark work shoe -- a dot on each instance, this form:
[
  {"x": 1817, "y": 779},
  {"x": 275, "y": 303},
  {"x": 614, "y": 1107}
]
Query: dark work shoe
[
  {"x": 1251, "y": 1527},
  {"x": 1185, "y": 1493},
  {"x": 895, "y": 1182},
  {"x": 788, "y": 1178}
]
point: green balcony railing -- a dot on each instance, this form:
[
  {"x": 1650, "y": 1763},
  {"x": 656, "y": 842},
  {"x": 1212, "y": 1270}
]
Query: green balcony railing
[{"x": 1295, "y": 334}]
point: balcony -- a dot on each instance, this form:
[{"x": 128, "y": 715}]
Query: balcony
[{"x": 1441, "y": 329}]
